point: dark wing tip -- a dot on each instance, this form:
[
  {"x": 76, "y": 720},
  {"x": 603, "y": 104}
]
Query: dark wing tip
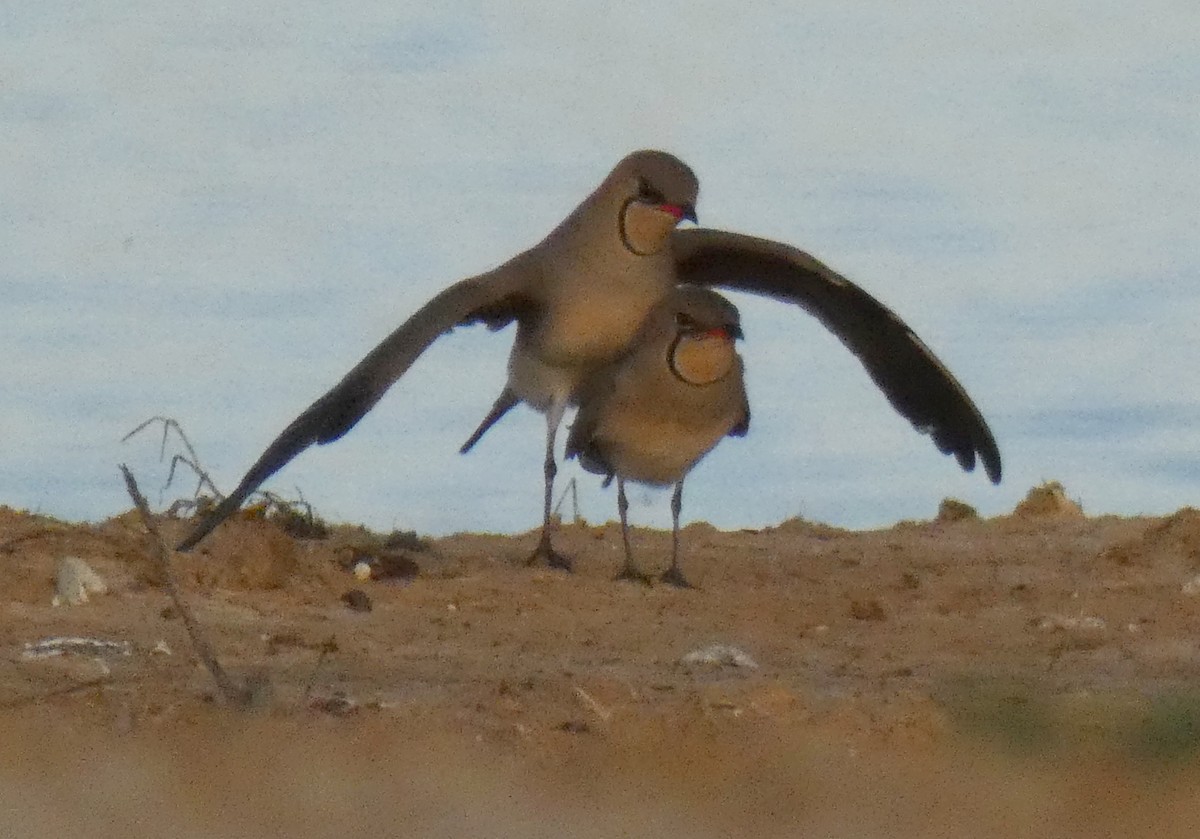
[
  {"x": 991, "y": 463},
  {"x": 911, "y": 377},
  {"x": 969, "y": 451}
]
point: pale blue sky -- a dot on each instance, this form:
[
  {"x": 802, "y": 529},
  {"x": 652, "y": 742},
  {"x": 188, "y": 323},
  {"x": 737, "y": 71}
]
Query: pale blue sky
[{"x": 214, "y": 212}]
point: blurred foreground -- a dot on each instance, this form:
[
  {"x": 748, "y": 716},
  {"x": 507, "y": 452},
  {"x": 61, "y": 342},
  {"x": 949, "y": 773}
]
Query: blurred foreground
[{"x": 1028, "y": 675}]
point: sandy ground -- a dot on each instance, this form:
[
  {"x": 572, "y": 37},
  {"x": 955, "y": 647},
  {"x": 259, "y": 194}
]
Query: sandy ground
[{"x": 1031, "y": 675}]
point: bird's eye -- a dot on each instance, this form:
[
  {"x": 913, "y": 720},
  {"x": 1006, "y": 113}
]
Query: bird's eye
[
  {"x": 649, "y": 194},
  {"x": 684, "y": 321}
]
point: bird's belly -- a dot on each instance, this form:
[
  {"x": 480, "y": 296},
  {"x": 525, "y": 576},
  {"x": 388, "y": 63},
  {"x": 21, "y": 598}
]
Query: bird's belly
[
  {"x": 595, "y": 325},
  {"x": 657, "y": 452},
  {"x": 538, "y": 384}
]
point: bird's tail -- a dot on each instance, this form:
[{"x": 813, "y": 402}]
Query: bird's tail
[{"x": 504, "y": 403}]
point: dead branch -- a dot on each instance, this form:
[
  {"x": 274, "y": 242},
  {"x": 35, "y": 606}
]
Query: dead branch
[
  {"x": 329, "y": 646},
  {"x": 68, "y": 690},
  {"x": 167, "y": 423},
  {"x": 191, "y": 459},
  {"x": 202, "y": 478},
  {"x": 235, "y": 695},
  {"x": 570, "y": 488}
]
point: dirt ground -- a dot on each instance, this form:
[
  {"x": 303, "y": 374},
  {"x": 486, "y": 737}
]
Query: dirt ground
[{"x": 1030, "y": 675}]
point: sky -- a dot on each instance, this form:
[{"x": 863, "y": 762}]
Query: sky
[{"x": 212, "y": 212}]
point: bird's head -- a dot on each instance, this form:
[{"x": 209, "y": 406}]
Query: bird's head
[
  {"x": 706, "y": 327},
  {"x": 657, "y": 192}
]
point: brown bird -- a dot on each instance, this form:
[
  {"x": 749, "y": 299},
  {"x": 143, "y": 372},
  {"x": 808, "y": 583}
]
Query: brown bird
[
  {"x": 651, "y": 415},
  {"x": 580, "y": 295}
]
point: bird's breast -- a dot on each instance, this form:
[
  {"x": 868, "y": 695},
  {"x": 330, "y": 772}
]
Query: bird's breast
[{"x": 593, "y": 313}]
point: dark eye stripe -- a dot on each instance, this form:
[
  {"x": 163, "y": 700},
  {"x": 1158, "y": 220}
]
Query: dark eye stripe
[{"x": 649, "y": 194}]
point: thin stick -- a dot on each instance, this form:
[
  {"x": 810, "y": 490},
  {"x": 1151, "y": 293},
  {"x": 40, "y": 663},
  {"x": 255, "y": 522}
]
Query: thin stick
[
  {"x": 13, "y": 704},
  {"x": 191, "y": 459},
  {"x": 574, "y": 493},
  {"x": 328, "y": 647},
  {"x": 234, "y": 694}
]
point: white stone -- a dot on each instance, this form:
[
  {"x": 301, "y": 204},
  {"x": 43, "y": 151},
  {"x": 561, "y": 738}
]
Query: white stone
[
  {"x": 75, "y": 581},
  {"x": 717, "y": 655}
]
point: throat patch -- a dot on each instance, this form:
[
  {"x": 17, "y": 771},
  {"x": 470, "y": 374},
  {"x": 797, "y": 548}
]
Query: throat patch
[
  {"x": 645, "y": 229},
  {"x": 701, "y": 359}
]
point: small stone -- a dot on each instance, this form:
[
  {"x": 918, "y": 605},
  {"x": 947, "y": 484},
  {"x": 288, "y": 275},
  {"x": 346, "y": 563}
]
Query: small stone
[
  {"x": 71, "y": 645},
  {"x": 716, "y": 655},
  {"x": 396, "y": 566},
  {"x": 357, "y": 600},
  {"x": 389, "y": 566},
  {"x": 867, "y": 610},
  {"x": 1068, "y": 623},
  {"x": 1192, "y": 587},
  {"x": 336, "y": 705},
  {"x": 75, "y": 581}
]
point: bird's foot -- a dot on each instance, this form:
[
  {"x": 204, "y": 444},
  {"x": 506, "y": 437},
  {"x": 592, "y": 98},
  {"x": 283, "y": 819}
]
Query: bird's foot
[
  {"x": 552, "y": 558},
  {"x": 630, "y": 574},
  {"x": 674, "y": 577}
]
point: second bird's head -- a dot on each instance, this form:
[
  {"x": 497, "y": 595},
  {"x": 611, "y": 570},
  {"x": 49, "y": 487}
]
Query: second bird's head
[
  {"x": 657, "y": 191},
  {"x": 706, "y": 327}
]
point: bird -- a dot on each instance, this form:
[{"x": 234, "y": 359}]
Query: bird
[
  {"x": 654, "y": 413},
  {"x": 578, "y": 298}
]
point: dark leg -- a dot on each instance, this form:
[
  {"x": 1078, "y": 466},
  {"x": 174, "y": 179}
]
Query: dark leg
[
  {"x": 673, "y": 575},
  {"x": 544, "y": 551},
  {"x": 630, "y": 571}
]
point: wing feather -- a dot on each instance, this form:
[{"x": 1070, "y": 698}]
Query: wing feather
[
  {"x": 912, "y": 378},
  {"x": 496, "y": 298}
]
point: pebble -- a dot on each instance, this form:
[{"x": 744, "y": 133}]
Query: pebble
[
  {"x": 75, "y": 581},
  {"x": 718, "y": 655},
  {"x": 357, "y": 600},
  {"x": 68, "y": 645}
]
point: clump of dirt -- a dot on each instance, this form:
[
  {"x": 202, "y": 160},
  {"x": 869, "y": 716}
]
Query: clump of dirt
[
  {"x": 799, "y": 526},
  {"x": 1048, "y": 501},
  {"x": 405, "y": 540},
  {"x": 952, "y": 510},
  {"x": 242, "y": 554},
  {"x": 1176, "y": 538}
]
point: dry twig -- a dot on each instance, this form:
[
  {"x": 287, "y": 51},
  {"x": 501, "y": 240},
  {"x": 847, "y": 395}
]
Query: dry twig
[
  {"x": 236, "y": 695},
  {"x": 191, "y": 459},
  {"x": 67, "y": 690},
  {"x": 570, "y": 488},
  {"x": 329, "y": 646}
]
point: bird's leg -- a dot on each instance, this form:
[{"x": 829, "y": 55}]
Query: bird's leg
[
  {"x": 673, "y": 576},
  {"x": 544, "y": 550},
  {"x": 629, "y": 571}
]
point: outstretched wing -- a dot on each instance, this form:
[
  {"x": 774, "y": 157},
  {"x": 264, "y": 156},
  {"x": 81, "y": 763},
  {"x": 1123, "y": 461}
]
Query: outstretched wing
[
  {"x": 495, "y": 298},
  {"x": 910, "y": 375}
]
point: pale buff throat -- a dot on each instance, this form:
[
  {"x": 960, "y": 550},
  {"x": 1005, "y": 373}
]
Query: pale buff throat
[
  {"x": 701, "y": 359},
  {"x": 646, "y": 228}
]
